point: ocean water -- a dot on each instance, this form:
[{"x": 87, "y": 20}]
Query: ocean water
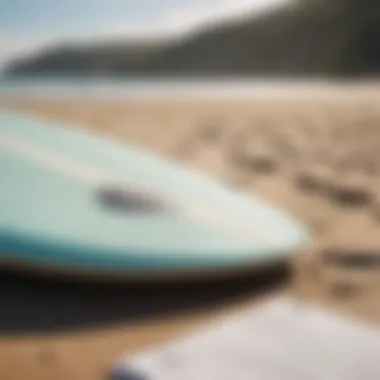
[{"x": 133, "y": 88}]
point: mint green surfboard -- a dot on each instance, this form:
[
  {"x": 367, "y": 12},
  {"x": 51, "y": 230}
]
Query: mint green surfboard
[{"x": 72, "y": 202}]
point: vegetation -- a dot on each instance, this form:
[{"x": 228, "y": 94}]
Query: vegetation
[{"x": 302, "y": 38}]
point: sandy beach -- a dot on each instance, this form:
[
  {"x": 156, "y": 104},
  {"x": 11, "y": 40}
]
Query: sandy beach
[{"x": 316, "y": 157}]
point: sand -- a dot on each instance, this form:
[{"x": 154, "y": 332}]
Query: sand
[{"x": 318, "y": 158}]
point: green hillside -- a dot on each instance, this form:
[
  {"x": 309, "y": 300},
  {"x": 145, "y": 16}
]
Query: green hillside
[{"x": 302, "y": 38}]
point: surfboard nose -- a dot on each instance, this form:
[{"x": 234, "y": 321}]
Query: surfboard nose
[{"x": 293, "y": 235}]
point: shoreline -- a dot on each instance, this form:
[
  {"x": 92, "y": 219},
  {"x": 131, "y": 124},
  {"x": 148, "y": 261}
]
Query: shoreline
[{"x": 185, "y": 89}]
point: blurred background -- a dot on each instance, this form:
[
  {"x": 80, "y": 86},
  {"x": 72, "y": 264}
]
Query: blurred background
[
  {"x": 272, "y": 97},
  {"x": 212, "y": 39}
]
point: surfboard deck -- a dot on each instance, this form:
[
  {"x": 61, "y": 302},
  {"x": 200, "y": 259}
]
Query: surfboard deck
[{"x": 73, "y": 202}]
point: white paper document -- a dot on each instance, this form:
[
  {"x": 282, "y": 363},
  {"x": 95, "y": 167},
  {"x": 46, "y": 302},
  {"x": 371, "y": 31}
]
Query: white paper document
[{"x": 281, "y": 340}]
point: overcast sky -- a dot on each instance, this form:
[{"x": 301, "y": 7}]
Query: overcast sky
[{"x": 28, "y": 24}]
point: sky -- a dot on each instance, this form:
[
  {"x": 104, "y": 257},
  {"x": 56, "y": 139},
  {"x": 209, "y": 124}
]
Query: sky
[{"x": 26, "y": 25}]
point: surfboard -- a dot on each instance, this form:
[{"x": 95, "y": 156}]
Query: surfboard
[{"x": 74, "y": 202}]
